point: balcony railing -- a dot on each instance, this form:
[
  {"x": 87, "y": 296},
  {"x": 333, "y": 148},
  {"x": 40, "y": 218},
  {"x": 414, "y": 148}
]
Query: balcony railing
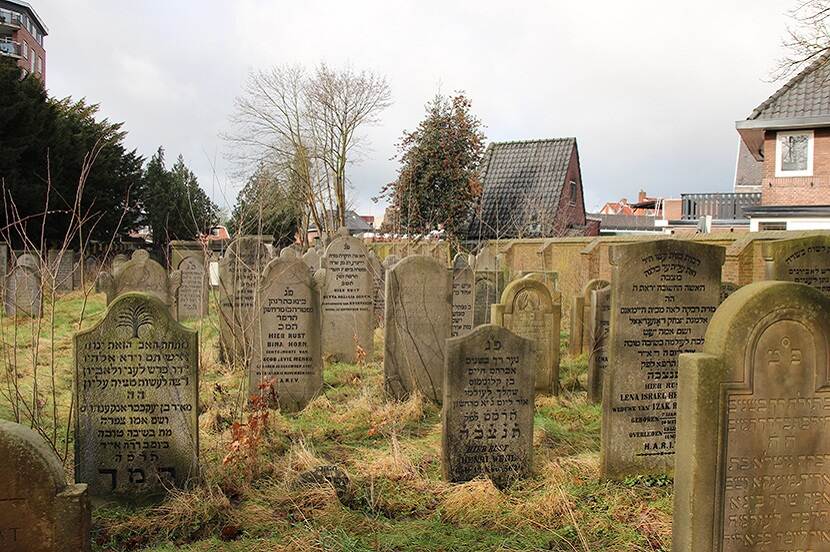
[
  {"x": 721, "y": 206},
  {"x": 11, "y": 18},
  {"x": 9, "y": 47}
]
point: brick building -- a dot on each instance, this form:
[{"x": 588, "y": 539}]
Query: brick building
[
  {"x": 22, "y": 35},
  {"x": 787, "y": 138},
  {"x": 531, "y": 189}
]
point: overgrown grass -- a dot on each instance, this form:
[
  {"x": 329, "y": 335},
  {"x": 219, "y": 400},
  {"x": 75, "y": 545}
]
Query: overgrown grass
[{"x": 395, "y": 500}]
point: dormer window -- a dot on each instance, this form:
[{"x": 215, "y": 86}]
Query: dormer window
[{"x": 794, "y": 153}]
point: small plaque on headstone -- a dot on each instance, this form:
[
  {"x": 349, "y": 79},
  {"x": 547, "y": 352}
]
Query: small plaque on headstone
[
  {"x": 136, "y": 432},
  {"x": 487, "y": 427},
  {"x": 417, "y": 324},
  {"x": 752, "y": 470}
]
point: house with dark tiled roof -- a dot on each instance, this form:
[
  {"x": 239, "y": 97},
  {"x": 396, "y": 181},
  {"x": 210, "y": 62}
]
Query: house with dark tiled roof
[
  {"x": 787, "y": 141},
  {"x": 531, "y": 189}
]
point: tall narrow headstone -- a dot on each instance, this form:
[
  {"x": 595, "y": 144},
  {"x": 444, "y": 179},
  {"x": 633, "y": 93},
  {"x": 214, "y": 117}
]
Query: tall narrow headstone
[
  {"x": 586, "y": 311},
  {"x": 192, "y": 300},
  {"x": 527, "y": 309},
  {"x": 40, "y": 512},
  {"x": 348, "y": 300},
  {"x": 378, "y": 273},
  {"x": 489, "y": 281},
  {"x": 24, "y": 293},
  {"x": 239, "y": 272},
  {"x": 487, "y": 421},
  {"x": 312, "y": 260},
  {"x": 663, "y": 294},
  {"x": 136, "y": 417},
  {"x": 752, "y": 471},
  {"x": 417, "y": 324},
  {"x": 287, "y": 364},
  {"x": 598, "y": 356},
  {"x": 577, "y": 328},
  {"x": 803, "y": 260},
  {"x": 463, "y": 295},
  {"x": 62, "y": 267}
]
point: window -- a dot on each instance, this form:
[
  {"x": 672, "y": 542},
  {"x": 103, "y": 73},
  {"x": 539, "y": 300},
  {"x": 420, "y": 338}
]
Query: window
[
  {"x": 39, "y": 64},
  {"x": 32, "y": 63},
  {"x": 794, "y": 153},
  {"x": 572, "y": 189},
  {"x": 26, "y": 50},
  {"x": 772, "y": 225}
]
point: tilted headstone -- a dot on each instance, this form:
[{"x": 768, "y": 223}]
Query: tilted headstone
[
  {"x": 527, "y": 309},
  {"x": 586, "y": 311},
  {"x": 239, "y": 272},
  {"x": 347, "y": 299},
  {"x": 142, "y": 274},
  {"x": 487, "y": 421},
  {"x": 378, "y": 273},
  {"x": 598, "y": 356},
  {"x": 192, "y": 300},
  {"x": 136, "y": 372},
  {"x": 463, "y": 295},
  {"x": 489, "y": 281},
  {"x": 752, "y": 471},
  {"x": 417, "y": 324},
  {"x": 663, "y": 294},
  {"x": 24, "y": 290},
  {"x": 62, "y": 267},
  {"x": 287, "y": 363},
  {"x": 39, "y": 512},
  {"x": 802, "y": 260}
]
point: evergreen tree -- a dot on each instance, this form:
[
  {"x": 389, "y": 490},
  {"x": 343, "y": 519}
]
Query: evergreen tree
[{"x": 268, "y": 205}]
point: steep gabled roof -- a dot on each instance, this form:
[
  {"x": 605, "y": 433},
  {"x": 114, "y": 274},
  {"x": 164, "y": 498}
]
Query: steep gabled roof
[
  {"x": 522, "y": 183},
  {"x": 807, "y": 94}
]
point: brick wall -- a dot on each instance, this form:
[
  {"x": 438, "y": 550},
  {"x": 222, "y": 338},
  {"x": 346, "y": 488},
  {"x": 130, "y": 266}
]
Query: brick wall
[{"x": 805, "y": 190}]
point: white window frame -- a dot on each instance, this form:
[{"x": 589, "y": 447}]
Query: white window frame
[{"x": 779, "y": 172}]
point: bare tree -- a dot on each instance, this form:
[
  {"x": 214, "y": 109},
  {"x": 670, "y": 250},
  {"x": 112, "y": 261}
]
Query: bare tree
[{"x": 808, "y": 37}]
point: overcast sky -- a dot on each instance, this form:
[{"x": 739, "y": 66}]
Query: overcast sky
[{"x": 651, "y": 90}]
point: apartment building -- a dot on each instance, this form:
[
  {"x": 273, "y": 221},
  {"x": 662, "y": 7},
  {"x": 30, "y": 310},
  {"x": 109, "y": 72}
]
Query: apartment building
[{"x": 22, "y": 34}]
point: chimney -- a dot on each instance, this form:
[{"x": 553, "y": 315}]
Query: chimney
[{"x": 641, "y": 197}]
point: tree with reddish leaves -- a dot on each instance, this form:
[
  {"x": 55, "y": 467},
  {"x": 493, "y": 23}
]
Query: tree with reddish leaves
[{"x": 438, "y": 180}]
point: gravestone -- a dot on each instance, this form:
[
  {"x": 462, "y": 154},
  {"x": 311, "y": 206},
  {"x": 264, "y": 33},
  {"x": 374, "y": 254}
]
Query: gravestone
[
  {"x": 136, "y": 430},
  {"x": 752, "y": 471},
  {"x": 142, "y": 274},
  {"x": 803, "y": 260},
  {"x": 417, "y": 323},
  {"x": 489, "y": 281},
  {"x": 289, "y": 251},
  {"x": 663, "y": 294},
  {"x": 390, "y": 261},
  {"x": 24, "y": 293},
  {"x": 40, "y": 512},
  {"x": 4, "y": 263},
  {"x": 577, "y": 327},
  {"x": 586, "y": 311},
  {"x": 62, "y": 266},
  {"x": 527, "y": 309},
  {"x": 287, "y": 366},
  {"x": 91, "y": 269},
  {"x": 378, "y": 273},
  {"x": 487, "y": 420},
  {"x": 117, "y": 262},
  {"x": 347, "y": 297},
  {"x": 727, "y": 289},
  {"x": 312, "y": 260},
  {"x": 463, "y": 298},
  {"x": 239, "y": 272},
  {"x": 598, "y": 357},
  {"x": 192, "y": 300}
]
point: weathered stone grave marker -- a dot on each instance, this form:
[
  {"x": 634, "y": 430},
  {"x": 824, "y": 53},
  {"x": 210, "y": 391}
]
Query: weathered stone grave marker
[
  {"x": 39, "y": 512},
  {"x": 347, "y": 299},
  {"x": 489, "y": 281},
  {"x": 239, "y": 273},
  {"x": 751, "y": 468},
  {"x": 589, "y": 288},
  {"x": 804, "y": 260},
  {"x": 463, "y": 296},
  {"x": 727, "y": 289},
  {"x": 287, "y": 362},
  {"x": 417, "y": 324},
  {"x": 663, "y": 294},
  {"x": 189, "y": 259},
  {"x": 527, "y": 309},
  {"x": 142, "y": 274},
  {"x": 378, "y": 273},
  {"x": 24, "y": 293},
  {"x": 62, "y": 266},
  {"x": 136, "y": 430},
  {"x": 312, "y": 260},
  {"x": 598, "y": 334},
  {"x": 487, "y": 422}
]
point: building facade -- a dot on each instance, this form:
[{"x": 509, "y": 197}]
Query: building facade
[{"x": 22, "y": 36}]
